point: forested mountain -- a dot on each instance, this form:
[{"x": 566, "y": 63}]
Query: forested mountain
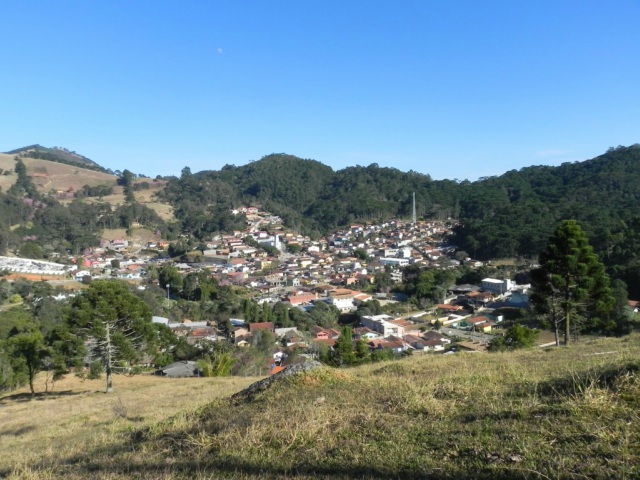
[
  {"x": 312, "y": 197},
  {"x": 509, "y": 215},
  {"x": 504, "y": 216},
  {"x": 515, "y": 213}
]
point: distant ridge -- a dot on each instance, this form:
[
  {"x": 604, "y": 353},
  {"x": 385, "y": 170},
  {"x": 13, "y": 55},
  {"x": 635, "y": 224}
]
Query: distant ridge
[{"x": 57, "y": 154}]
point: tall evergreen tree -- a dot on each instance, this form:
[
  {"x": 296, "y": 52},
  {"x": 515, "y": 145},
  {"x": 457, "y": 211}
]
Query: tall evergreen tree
[
  {"x": 571, "y": 284},
  {"x": 115, "y": 321},
  {"x": 343, "y": 349}
]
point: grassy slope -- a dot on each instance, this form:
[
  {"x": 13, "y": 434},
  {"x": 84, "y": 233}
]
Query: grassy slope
[
  {"x": 61, "y": 177},
  {"x": 567, "y": 413},
  {"x": 78, "y": 418}
]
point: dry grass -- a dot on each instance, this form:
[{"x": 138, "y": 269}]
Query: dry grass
[
  {"x": 561, "y": 413},
  {"x": 78, "y": 417},
  {"x": 61, "y": 177},
  {"x": 138, "y": 235},
  {"x": 147, "y": 197}
]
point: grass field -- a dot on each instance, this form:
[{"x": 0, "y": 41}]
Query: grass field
[
  {"x": 78, "y": 417},
  {"x": 538, "y": 414},
  {"x": 58, "y": 176}
]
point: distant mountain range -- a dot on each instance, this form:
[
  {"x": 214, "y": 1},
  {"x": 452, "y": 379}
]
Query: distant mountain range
[{"x": 504, "y": 216}]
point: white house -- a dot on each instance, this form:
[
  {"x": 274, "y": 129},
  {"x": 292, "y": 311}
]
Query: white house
[
  {"x": 382, "y": 324},
  {"x": 497, "y": 286},
  {"x": 395, "y": 262},
  {"x": 81, "y": 274}
]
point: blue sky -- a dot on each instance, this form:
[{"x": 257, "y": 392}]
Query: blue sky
[{"x": 454, "y": 89}]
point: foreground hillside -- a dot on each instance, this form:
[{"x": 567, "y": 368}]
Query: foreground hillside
[
  {"x": 78, "y": 418},
  {"x": 565, "y": 413}
]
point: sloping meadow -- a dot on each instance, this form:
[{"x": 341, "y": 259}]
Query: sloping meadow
[{"x": 558, "y": 413}]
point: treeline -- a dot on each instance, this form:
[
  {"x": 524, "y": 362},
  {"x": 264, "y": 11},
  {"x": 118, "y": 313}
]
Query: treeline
[{"x": 511, "y": 215}]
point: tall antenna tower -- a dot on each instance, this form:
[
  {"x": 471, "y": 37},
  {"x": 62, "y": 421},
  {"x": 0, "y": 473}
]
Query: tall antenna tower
[{"x": 413, "y": 213}]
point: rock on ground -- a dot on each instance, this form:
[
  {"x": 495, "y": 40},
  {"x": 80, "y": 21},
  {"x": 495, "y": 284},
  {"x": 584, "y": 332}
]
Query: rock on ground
[{"x": 261, "y": 385}]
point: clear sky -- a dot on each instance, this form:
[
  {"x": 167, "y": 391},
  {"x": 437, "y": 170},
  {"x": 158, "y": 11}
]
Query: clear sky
[{"x": 455, "y": 89}]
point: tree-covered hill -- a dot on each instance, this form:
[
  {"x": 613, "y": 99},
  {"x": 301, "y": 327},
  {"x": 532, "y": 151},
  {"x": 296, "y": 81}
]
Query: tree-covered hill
[
  {"x": 311, "y": 196},
  {"x": 504, "y": 216},
  {"x": 515, "y": 213}
]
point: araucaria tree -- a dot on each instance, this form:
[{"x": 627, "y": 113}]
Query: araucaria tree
[
  {"x": 571, "y": 287},
  {"x": 116, "y": 324}
]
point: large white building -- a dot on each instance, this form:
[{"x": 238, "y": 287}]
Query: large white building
[
  {"x": 382, "y": 324},
  {"x": 272, "y": 241},
  {"x": 497, "y": 286},
  {"x": 344, "y": 303},
  {"x": 395, "y": 262}
]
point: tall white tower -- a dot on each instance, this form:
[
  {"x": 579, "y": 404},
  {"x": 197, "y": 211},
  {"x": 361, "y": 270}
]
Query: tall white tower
[{"x": 413, "y": 213}]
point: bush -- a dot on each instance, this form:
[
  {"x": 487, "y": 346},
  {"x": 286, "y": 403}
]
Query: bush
[
  {"x": 15, "y": 298},
  {"x": 95, "y": 370}
]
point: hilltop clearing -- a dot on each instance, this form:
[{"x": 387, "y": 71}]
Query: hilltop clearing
[
  {"x": 64, "y": 181},
  {"x": 558, "y": 413},
  {"x": 51, "y": 176}
]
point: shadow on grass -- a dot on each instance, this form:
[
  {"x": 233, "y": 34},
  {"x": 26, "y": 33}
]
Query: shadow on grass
[
  {"x": 115, "y": 461},
  {"x": 27, "y": 397},
  {"x": 577, "y": 383},
  {"x": 16, "y": 432}
]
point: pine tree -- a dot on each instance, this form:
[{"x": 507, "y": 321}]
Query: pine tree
[
  {"x": 115, "y": 321},
  {"x": 571, "y": 284},
  {"x": 343, "y": 349}
]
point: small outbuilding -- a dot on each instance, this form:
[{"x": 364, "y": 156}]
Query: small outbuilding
[{"x": 182, "y": 369}]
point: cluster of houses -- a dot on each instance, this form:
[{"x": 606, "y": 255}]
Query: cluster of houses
[
  {"x": 279, "y": 265},
  {"x": 396, "y": 335},
  {"x": 346, "y": 258}
]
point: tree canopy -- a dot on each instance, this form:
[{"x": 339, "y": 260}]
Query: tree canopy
[
  {"x": 571, "y": 286},
  {"x": 116, "y": 323}
]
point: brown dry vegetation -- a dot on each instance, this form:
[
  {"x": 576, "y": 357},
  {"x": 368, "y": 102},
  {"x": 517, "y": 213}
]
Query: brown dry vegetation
[
  {"x": 557, "y": 413},
  {"x": 78, "y": 417},
  {"x": 138, "y": 235},
  {"x": 61, "y": 177}
]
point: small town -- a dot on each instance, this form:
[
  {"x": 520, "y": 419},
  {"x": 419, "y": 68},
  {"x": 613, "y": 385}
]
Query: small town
[{"x": 351, "y": 274}]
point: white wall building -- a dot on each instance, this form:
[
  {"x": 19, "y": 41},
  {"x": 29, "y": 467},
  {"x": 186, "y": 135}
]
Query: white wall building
[
  {"x": 382, "y": 324},
  {"x": 395, "y": 262},
  {"x": 497, "y": 286}
]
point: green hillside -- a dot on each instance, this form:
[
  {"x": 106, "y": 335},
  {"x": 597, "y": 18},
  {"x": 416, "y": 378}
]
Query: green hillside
[
  {"x": 499, "y": 217},
  {"x": 564, "y": 413},
  {"x": 504, "y": 216}
]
